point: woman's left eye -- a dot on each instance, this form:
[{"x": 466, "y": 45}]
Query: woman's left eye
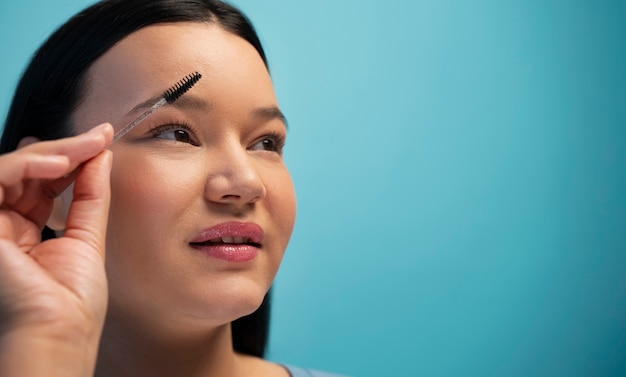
[{"x": 272, "y": 143}]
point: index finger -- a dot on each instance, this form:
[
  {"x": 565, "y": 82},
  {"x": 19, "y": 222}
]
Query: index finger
[
  {"x": 55, "y": 158},
  {"x": 78, "y": 148}
]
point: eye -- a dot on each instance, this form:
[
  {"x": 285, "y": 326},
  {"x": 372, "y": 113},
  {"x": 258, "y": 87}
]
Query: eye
[
  {"x": 176, "y": 135},
  {"x": 175, "y": 132},
  {"x": 270, "y": 143}
]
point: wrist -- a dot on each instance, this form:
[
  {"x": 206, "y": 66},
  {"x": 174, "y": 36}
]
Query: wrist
[{"x": 27, "y": 352}]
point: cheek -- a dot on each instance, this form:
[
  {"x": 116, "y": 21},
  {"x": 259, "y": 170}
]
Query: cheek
[
  {"x": 281, "y": 202},
  {"x": 148, "y": 198},
  {"x": 152, "y": 185},
  {"x": 139, "y": 192},
  {"x": 149, "y": 201}
]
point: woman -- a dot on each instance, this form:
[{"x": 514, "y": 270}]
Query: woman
[{"x": 197, "y": 216}]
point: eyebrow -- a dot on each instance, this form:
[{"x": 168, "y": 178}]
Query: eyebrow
[
  {"x": 270, "y": 113},
  {"x": 188, "y": 102},
  {"x": 191, "y": 102}
]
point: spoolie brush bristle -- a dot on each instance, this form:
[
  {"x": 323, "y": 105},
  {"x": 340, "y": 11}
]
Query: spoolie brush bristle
[{"x": 176, "y": 91}]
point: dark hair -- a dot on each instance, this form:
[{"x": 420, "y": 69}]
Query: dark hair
[{"x": 51, "y": 87}]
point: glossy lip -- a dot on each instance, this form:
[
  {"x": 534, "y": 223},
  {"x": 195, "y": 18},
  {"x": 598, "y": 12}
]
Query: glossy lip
[{"x": 230, "y": 252}]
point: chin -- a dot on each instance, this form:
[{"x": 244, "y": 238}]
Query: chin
[{"x": 230, "y": 305}]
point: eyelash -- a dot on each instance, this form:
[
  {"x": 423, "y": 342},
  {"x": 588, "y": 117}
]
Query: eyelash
[
  {"x": 173, "y": 126},
  {"x": 278, "y": 139}
]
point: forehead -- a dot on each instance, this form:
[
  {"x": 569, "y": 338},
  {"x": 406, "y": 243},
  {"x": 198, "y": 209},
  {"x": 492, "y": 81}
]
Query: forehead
[{"x": 150, "y": 60}]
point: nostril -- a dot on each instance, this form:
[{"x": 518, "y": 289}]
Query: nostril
[{"x": 231, "y": 196}]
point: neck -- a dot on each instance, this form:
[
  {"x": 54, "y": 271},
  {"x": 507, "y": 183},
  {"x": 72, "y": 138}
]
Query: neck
[{"x": 132, "y": 349}]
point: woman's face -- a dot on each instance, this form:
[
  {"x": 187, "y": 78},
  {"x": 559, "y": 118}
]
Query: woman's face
[{"x": 202, "y": 204}]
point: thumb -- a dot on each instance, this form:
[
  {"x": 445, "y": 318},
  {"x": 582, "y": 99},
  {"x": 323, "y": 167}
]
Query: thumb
[{"x": 89, "y": 211}]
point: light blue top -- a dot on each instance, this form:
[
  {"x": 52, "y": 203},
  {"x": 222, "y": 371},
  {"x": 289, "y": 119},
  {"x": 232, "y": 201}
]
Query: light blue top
[{"x": 301, "y": 372}]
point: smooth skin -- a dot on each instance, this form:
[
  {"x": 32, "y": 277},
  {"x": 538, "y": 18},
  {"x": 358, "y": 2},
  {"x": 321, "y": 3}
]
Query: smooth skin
[{"x": 215, "y": 156}]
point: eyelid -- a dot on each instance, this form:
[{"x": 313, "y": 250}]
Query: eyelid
[
  {"x": 167, "y": 126},
  {"x": 278, "y": 138}
]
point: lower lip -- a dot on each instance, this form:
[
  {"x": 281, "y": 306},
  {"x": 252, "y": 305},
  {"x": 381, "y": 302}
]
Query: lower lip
[{"x": 230, "y": 253}]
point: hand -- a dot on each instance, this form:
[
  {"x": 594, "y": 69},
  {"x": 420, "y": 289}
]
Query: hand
[{"x": 53, "y": 293}]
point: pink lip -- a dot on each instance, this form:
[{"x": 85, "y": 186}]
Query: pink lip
[{"x": 230, "y": 252}]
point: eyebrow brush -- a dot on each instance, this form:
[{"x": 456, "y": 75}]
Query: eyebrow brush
[{"x": 169, "y": 96}]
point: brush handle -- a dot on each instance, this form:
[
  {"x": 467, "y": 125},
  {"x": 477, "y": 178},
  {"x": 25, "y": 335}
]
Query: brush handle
[{"x": 138, "y": 120}]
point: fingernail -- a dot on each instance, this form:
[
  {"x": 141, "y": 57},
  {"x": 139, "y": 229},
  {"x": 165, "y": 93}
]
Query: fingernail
[
  {"x": 99, "y": 129},
  {"x": 54, "y": 159}
]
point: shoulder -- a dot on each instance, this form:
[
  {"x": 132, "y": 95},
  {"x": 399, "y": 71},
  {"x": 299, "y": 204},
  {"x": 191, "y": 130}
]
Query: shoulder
[{"x": 302, "y": 372}]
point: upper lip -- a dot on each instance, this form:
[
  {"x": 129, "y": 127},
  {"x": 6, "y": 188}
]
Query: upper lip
[{"x": 231, "y": 232}]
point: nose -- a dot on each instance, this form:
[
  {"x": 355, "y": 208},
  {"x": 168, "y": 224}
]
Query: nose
[{"x": 234, "y": 178}]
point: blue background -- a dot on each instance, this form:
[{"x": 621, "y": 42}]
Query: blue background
[{"x": 461, "y": 175}]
